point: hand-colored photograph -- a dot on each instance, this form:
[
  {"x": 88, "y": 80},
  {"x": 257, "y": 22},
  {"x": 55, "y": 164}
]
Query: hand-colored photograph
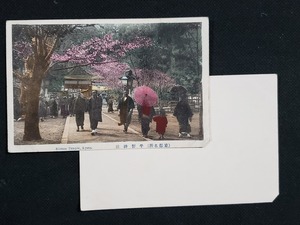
[{"x": 110, "y": 84}]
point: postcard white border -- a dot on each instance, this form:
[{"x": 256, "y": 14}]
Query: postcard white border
[
  {"x": 12, "y": 148},
  {"x": 238, "y": 166}
]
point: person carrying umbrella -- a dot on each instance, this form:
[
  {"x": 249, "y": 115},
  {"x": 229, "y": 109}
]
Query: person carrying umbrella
[
  {"x": 183, "y": 113},
  {"x": 125, "y": 107},
  {"x": 146, "y": 98},
  {"x": 146, "y": 114}
]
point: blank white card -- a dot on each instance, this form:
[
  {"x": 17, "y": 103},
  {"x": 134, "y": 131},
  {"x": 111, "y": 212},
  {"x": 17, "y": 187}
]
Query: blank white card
[{"x": 238, "y": 165}]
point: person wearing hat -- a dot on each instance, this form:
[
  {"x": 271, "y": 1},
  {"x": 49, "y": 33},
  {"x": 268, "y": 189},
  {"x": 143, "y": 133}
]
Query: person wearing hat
[
  {"x": 125, "y": 107},
  {"x": 95, "y": 110}
]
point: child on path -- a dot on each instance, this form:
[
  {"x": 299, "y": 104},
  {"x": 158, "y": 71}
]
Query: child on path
[{"x": 161, "y": 123}]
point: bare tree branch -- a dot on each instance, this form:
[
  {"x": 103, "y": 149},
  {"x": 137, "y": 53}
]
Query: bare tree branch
[
  {"x": 22, "y": 77},
  {"x": 52, "y": 49}
]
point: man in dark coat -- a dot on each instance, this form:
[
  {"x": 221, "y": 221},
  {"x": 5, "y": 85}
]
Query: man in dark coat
[
  {"x": 95, "y": 111},
  {"x": 183, "y": 113},
  {"x": 53, "y": 108},
  {"x": 79, "y": 109},
  {"x": 64, "y": 107},
  {"x": 126, "y": 106},
  {"x": 71, "y": 105}
]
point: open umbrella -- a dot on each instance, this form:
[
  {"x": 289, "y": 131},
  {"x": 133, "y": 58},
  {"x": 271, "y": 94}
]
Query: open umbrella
[
  {"x": 178, "y": 89},
  {"x": 145, "y": 96}
]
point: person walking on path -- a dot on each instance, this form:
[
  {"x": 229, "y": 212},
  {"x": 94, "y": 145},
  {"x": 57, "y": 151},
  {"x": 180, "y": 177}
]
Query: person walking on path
[
  {"x": 126, "y": 106},
  {"x": 79, "y": 109},
  {"x": 146, "y": 114},
  {"x": 161, "y": 123},
  {"x": 53, "y": 108},
  {"x": 64, "y": 107},
  {"x": 71, "y": 105},
  {"x": 183, "y": 113},
  {"x": 42, "y": 109},
  {"x": 95, "y": 111},
  {"x": 110, "y": 103}
]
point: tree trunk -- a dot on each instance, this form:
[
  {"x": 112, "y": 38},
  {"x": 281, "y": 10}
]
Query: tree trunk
[
  {"x": 31, "y": 130},
  {"x": 23, "y": 99}
]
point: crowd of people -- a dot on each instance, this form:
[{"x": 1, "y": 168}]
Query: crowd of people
[
  {"x": 54, "y": 106},
  {"x": 77, "y": 106},
  {"x": 147, "y": 114}
]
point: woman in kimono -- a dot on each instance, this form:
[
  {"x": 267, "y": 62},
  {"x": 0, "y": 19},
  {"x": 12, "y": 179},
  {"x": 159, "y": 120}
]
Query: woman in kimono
[{"x": 183, "y": 113}]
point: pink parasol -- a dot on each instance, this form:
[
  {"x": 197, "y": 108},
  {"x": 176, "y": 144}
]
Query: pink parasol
[{"x": 145, "y": 96}]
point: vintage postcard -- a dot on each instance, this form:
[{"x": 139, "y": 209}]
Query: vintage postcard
[{"x": 107, "y": 84}]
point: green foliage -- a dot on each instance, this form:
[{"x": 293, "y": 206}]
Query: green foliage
[{"x": 176, "y": 51}]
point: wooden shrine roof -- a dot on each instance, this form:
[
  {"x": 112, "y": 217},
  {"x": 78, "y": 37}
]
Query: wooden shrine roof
[{"x": 79, "y": 78}]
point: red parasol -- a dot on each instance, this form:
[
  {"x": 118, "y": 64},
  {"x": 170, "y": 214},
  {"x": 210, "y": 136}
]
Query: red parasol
[{"x": 145, "y": 96}]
